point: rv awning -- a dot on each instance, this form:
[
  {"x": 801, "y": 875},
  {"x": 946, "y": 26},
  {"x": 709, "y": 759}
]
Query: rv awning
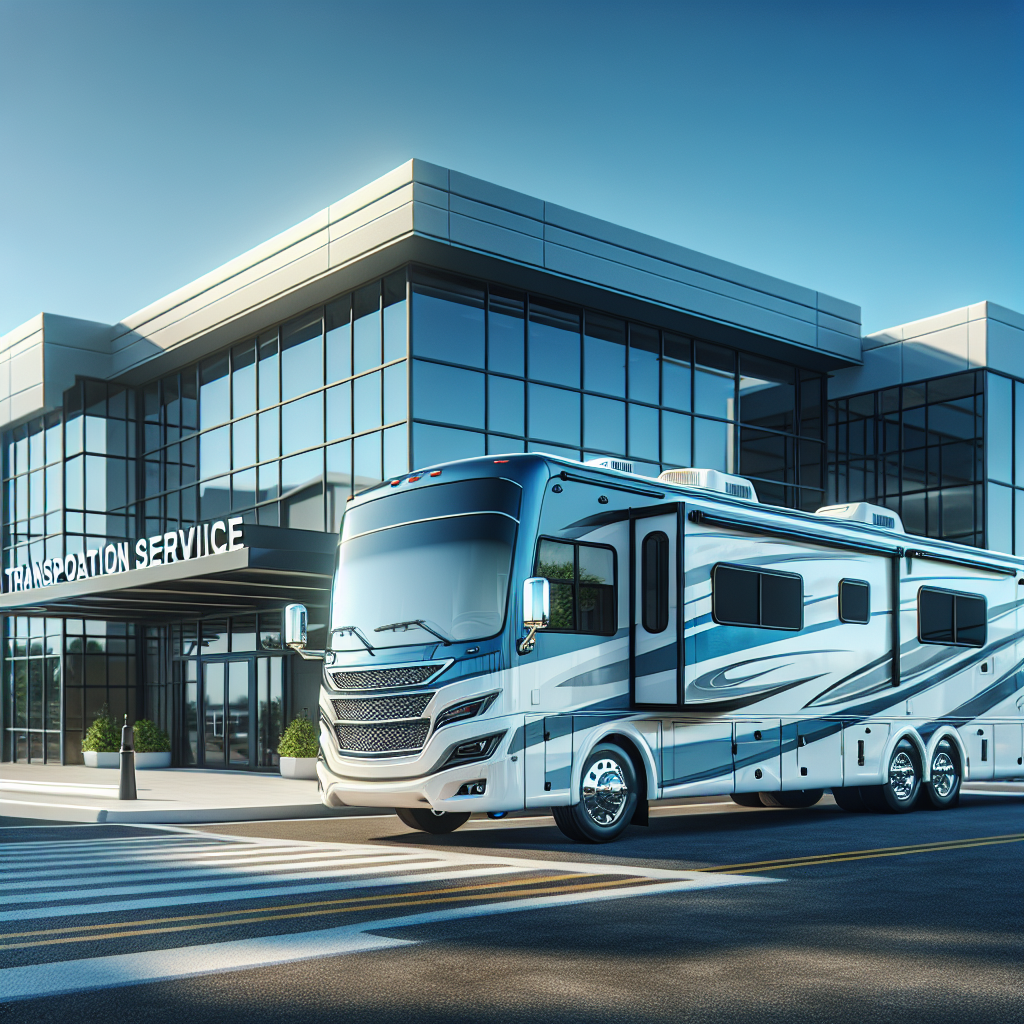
[{"x": 273, "y": 568}]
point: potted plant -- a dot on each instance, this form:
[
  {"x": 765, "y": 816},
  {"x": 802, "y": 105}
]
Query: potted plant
[
  {"x": 152, "y": 745},
  {"x": 102, "y": 742},
  {"x": 298, "y": 749}
]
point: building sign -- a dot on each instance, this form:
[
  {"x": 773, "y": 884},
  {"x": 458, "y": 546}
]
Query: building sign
[{"x": 162, "y": 549}]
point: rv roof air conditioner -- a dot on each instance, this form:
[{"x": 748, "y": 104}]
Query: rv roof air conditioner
[
  {"x": 711, "y": 480},
  {"x": 862, "y": 512},
  {"x": 622, "y": 465}
]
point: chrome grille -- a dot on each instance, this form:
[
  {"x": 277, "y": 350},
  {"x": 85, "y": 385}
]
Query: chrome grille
[
  {"x": 380, "y": 709},
  {"x": 391, "y": 738},
  {"x": 382, "y": 678}
]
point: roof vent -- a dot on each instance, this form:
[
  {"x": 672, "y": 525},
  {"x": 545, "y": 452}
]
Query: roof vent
[
  {"x": 622, "y": 465},
  {"x": 862, "y": 512},
  {"x": 711, "y": 480}
]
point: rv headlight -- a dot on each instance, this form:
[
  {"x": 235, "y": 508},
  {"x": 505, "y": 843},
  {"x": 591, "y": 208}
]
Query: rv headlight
[{"x": 467, "y": 709}]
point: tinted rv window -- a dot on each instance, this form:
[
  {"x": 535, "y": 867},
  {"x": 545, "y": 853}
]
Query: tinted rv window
[
  {"x": 945, "y": 617},
  {"x": 654, "y": 582},
  {"x": 854, "y": 601},
  {"x": 582, "y": 585},
  {"x": 755, "y": 597}
]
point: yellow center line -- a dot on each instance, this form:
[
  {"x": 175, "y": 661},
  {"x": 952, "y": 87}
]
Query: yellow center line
[
  {"x": 548, "y": 890},
  {"x": 836, "y": 858},
  {"x": 380, "y": 898}
]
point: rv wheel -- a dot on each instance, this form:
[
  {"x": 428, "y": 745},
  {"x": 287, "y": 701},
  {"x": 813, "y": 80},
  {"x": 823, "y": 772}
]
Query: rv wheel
[
  {"x": 942, "y": 790},
  {"x": 746, "y": 799},
  {"x": 792, "y": 798},
  {"x": 437, "y": 823},
  {"x": 607, "y": 798},
  {"x": 849, "y": 798},
  {"x": 900, "y": 791}
]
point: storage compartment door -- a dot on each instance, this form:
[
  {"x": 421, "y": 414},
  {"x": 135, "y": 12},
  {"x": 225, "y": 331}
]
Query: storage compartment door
[
  {"x": 757, "y": 756},
  {"x": 1009, "y": 750},
  {"x": 655, "y": 660}
]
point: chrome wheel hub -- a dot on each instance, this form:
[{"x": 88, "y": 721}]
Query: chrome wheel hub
[
  {"x": 902, "y": 776},
  {"x": 943, "y": 774},
  {"x": 604, "y": 792}
]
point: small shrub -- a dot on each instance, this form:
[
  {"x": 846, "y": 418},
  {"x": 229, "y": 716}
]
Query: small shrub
[
  {"x": 299, "y": 740},
  {"x": 150, "y": 738},
  {"x": 102, "y": 736}
]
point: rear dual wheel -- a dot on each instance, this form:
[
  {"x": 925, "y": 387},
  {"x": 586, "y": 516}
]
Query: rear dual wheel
[{"x": 904, "y": 788}]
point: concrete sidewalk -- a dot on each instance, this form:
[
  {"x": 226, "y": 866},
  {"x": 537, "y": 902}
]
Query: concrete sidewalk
[{"x": 171, "y": 796}]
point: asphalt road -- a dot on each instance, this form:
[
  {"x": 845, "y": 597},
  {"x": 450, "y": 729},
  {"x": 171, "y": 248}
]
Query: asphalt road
[{"x": 713, "y": 913}]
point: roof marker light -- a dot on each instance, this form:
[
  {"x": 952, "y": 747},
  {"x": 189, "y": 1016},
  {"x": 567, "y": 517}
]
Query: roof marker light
[
  {"x": 498, "y": 462},
  {"x": 436, "y": 472},
  {"x": 395, "y": 483},
  {"x": 413, "y": 479}
]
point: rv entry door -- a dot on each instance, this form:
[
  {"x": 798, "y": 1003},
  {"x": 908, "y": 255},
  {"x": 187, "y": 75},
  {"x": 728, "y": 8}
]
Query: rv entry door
[{"x": 655, "y": 662}]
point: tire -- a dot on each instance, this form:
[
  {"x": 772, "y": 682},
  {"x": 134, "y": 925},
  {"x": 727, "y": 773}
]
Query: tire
[
  {"x": 942, "y": 790},
  {"x": 437, "y": 823},
  {"x": 899, "y": 793},
  {"x": 792, "y": 798},
  {"x": 608, "y": 795},
  {"x": 849, "y": 798},
  {"x": 746, "y": 799}
]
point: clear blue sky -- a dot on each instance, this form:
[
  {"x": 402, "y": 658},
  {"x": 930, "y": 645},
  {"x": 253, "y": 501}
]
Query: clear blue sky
[{"x": 872, "y": 150}]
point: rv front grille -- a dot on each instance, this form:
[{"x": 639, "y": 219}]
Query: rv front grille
[
  {"x": 382, "y": 678},
  {"x": 381, "y": 709},
  {"x": 390, "y": 738}
]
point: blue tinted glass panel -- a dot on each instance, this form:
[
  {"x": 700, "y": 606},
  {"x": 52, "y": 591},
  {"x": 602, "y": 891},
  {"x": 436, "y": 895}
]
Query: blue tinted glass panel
[
  {"x": 301, "y": 471},
  {"x": 302, "y": 491},
  {"x": 338, "y": 339},
  {"x": 506, "y": 405},
  {"x": 243, "y": 381},
  {"x": 712, "y": 445},
  {"x": 1018, "y": 515},
  {"x": 339, "y": 410},
  {"x": 644, "y": 349},
  {"x": 366, "y": 461},
  {"x": 554, "y": 414},
  {"x": 243, "y": 489},
  {"x": 396, "y": 397},
  {"x": 604, "y": 355},
  {"x": 448, "y": 319},
  {"x": 998, "y": 434},
  {"x": 338, "y": 482},
  {"x": 395, "y": 317},
  {"x": 675, "y": 439},
  {"x": 448, "y": 394},
  {"x": 243, "y": 442},
  {"x": 269, "y": 487},
  {"x": 270, "y": 437},
  {"x": 366, "y": 331},
  {"x": 714, "y": 389},
  {"x": 676, "y": 372},
  {"x": 215, "y": 498},
  {"x": 214, "y": 394},
  {"x": 506, "y": 332},
  {"x": 396, "y": 450},
  {"x": 214, "y": 452},
  {"x": 269, "y": 378},
  {"x": 767, "y": 394},
  {"x": 999, "y": 513},
  {"x": 554, "y": 351},
  {"x": 643, "y": 432},
  {"x": 302, "y": 423},
  {"x": 498, "y": 445},
  {"x": 1019, "y": 432},
  {"x": 366, "y": 402},
  {"x": 604, "y": 424},
  {"x": 302, "y": 365},
  {"x": 432, "y": 444}
]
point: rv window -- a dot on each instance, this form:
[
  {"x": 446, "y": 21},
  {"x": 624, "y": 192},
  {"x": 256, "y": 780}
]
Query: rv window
[
  {"x": 582, "y": 586},
  {"x": 945, "y": 617},
  {"x": 654, "y": 582},
  {"x": 854, "y": 601},
  {"x": 751, "y": 597}
]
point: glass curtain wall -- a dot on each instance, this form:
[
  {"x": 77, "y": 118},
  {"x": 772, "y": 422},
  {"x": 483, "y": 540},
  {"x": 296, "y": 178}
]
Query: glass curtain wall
[
  {"x": 917, "y": 449},
  {"x": 498, "y": 371},
  {"x": 1004, "y": 498},
  {"x": 32, "y": 690}
]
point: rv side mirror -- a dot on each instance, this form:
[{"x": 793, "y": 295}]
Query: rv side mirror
[
  {"x": 536, "y": 611},
  {"x": 295, "y": 619}
]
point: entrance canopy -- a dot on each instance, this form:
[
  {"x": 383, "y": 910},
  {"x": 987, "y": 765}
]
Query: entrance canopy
[{"x": 271, "y": 568}]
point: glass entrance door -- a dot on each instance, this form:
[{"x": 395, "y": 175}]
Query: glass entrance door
[{"x": 226, "y": 702}]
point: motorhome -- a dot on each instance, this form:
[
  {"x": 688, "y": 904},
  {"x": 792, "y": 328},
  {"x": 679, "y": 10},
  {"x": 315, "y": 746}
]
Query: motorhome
[{"x": 524, "y": 631}]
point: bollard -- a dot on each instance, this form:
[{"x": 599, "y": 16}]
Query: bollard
[{"x": 127, "y": 789}]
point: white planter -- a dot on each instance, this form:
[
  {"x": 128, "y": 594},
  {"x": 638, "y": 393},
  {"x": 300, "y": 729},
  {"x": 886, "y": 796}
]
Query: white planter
[
  {"x": 153, "y": 759},
  {"x": 298, "y": 767},
  {"x": 102, "y": 759}
]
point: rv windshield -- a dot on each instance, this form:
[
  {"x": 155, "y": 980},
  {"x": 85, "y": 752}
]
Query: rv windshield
[{"x": 404, "y": 578}]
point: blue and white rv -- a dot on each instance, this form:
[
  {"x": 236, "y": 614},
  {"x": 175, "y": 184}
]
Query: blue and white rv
[{"x": 524, "y": 631}]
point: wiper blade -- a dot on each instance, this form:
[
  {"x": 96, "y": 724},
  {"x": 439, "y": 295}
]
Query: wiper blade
[
  {"x": 354, "y": 630},
  {"x": 404, "y": 626}
]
